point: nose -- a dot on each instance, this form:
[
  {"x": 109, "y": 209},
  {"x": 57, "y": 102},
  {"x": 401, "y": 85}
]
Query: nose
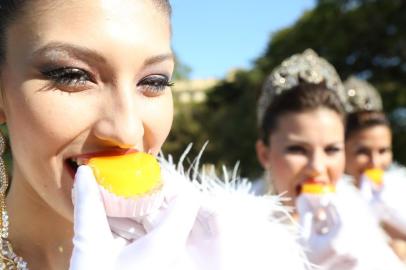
[
  {"x": 120, "y": 123},
  {"x": 376, "y": 160},
  {"x": 316, "y": 164}
]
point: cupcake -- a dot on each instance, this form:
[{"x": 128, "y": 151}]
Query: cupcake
[
  {"x": 316, "y": 198},
  {"x": 374, "y": 175},
  {"x": 317, "y": 188},
  {"x": 130, "y": 184}
]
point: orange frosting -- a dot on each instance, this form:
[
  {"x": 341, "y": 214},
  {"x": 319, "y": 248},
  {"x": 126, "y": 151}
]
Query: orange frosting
[
  {"x": 317, "y": 188},
  {"x": 375, "y": 175},
  {"x": 128, "y": 175}
]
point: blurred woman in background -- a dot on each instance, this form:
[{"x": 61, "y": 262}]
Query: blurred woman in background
[
  {"x": 301, "y": 119},
  {"x": 369, "y": 159}
]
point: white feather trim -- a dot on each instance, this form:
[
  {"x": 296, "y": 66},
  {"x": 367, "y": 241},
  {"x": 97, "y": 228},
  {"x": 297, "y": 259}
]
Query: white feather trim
[{"x": 242, "y": 230}]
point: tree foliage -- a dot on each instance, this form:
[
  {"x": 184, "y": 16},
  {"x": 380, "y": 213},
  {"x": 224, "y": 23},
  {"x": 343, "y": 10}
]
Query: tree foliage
[{"x": 362, "y": 37}]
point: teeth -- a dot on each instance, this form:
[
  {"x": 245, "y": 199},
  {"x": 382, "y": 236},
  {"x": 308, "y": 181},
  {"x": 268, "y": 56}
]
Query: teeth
[{"x": 78, "y": 161}]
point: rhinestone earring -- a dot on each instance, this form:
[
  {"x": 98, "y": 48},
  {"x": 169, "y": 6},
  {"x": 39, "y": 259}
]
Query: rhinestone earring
[{"x": 8, "y": 259}]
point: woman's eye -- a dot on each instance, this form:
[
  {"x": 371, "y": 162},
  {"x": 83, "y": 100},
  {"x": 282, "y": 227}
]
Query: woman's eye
[
  {"x": 154, "y": 85},
  {"x": 383, "y": 151},
  {"x": 330, "y": 150},
  {"x": 362, "y": 151},
  {"x": 68, "y": 77},
  {"x": 296, "y": 149}
]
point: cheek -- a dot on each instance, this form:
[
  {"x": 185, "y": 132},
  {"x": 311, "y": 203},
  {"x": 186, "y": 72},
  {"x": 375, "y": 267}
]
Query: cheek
[
  {"x": 158, "y": 123},
  {"x": 361, "y": 163},
  {"x": 387, "y": 160},
  {"x": 355, "y": 163},
  {"x": 285, "y": 171},
  {"x": 50, "y": 119},
  {"x": 336, "y": 168}
]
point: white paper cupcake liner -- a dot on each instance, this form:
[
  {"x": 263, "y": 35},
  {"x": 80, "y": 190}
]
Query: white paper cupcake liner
[{"x": 133, "y": 207}]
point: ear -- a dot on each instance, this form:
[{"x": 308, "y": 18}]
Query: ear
[{"x": 262, "y": 154}]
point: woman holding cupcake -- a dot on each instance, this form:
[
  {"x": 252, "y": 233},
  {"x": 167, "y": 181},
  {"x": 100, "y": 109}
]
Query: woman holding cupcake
[
  {"x": 369, "y": 159},
  {"x": 85, "y": 96},
  {"x": 301, "y": 119}
]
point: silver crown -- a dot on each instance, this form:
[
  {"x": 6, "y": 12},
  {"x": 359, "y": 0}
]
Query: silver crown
[
  {"x": 307, "y": 67},
  {"x": 362, "y": 96}
]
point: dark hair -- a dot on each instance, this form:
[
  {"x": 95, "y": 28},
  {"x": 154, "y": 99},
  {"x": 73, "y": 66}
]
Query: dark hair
[
  {"x": 301, "y": 98},
  {"x": 364, "y": 119},
  {"x": 11, "y": 9}
]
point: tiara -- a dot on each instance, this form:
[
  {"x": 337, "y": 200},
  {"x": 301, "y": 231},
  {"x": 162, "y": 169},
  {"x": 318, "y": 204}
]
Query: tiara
[
  {"x": 305, "y": 67},
  {"x": 362, "y": 96}
]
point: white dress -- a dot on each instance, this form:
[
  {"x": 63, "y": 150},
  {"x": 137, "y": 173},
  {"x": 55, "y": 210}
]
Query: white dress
[{"x": 359, "y": 243}]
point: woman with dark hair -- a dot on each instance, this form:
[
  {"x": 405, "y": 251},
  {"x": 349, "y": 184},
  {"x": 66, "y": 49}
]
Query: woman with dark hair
[
  {"x": 301, "y": 118},
  {"x": 86, "y": 82},
  {"x": 366, "y": 119},
  {"x": 369, "y": 158}
]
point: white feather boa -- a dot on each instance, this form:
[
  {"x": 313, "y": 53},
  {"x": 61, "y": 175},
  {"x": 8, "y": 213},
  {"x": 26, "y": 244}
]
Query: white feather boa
[{"x": 234, "y": 229}]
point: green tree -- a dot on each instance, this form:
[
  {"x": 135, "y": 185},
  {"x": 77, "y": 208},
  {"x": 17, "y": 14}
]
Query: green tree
[{"x": 364, "y": 37}]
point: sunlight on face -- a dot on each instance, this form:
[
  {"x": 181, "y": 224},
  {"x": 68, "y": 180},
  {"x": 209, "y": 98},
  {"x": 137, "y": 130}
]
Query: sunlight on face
[
  {"x": 305, "y": 145},
  {"x": 81, "y": 77},
  {"x": 368, "y": 148}
]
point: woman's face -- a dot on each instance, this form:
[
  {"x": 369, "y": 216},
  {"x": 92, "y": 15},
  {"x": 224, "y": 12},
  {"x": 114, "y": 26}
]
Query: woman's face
[
  {"x": 305, "y": 145},
  {"x": 368, "y": 148},
  {"x": 83, "y": 77}
]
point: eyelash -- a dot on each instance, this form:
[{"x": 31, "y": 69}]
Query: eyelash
[
  {"x": 295, "y": 149},
  {"x": 366, "y": 151},
  {"x": 152, "y": 85},
  {"x": 332, "y": 150},
  {"x": 67, "y": 76},
  {"x": 301, "y": 150}
]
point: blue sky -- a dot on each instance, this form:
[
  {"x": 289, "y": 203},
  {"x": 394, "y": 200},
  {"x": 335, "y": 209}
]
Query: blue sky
[{"x": 215, "y": 36}]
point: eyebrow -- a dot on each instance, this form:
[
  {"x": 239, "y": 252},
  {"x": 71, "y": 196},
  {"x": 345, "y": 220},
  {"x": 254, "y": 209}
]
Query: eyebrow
[
  {"x": 298, "y": 140},
  {"x": 68, "y": 49},
  {"x": 86, "y": 53},
  {"x": 158, "y": 58}
]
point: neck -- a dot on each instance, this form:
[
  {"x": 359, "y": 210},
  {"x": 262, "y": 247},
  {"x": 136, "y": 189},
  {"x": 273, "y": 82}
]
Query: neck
[{"x": 37, "y": 233}]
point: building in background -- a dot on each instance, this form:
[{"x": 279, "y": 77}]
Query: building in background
[{"x": 192, "y": 91}]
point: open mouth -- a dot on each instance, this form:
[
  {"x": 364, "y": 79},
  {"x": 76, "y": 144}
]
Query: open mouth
[
  {"x": 72, "y": 164},
  {"x": 299, "y": 187}
]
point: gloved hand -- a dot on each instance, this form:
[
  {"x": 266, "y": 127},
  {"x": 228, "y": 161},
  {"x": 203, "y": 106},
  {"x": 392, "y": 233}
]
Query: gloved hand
[
  {"x": 323, "y": 236},
  {"x": 387, "y": 203},
  {"x": 370, "y": 191},
  {"x": 95, "y": 246}
]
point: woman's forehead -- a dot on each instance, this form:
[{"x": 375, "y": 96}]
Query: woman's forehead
[
  {"x": 321, "y": 125},
  {"x": 137, "y": 28},
  {"x": 75, "y": 15}
]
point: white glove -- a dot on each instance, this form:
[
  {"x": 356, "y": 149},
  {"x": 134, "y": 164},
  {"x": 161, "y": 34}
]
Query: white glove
[
  {"x": 95, "y": 246},
  {"x": 325, "y": 241},
  {"x": 388, "y": 202}
]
